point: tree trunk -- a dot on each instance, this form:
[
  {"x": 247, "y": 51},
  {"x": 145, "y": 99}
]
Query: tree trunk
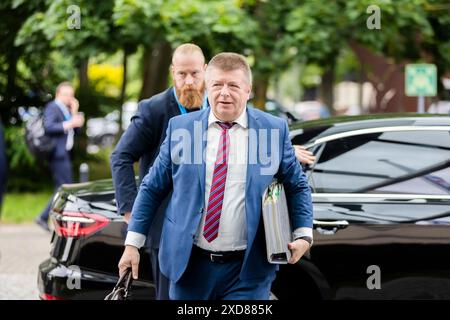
[
  {"x": 260, "y": 85},
  {"x": 83, "y": 75},
  {"x": 12, "y": 72},
  {"x": 146, "y": 73},
  {"x": 123, "y": 89},
  {"x": 387, "y": 79},
  {"x": 361, "y": 80},
  {"x": 124, "y": 77},
  {"x": 157, "y": 60},
  {"x": 326, "y": 88}
]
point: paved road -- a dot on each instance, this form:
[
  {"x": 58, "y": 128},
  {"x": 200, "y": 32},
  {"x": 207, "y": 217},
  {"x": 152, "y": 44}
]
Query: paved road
[{"x": 22, "y": 248}]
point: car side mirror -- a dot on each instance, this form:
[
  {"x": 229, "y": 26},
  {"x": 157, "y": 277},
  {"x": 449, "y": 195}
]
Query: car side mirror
[{"x": 291, "y": 117}]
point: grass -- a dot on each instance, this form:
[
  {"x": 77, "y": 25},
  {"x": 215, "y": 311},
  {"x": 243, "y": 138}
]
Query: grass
[{"x": 23, "y": 207}]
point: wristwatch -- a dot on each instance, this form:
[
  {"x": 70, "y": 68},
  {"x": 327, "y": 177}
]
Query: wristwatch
[{"x": 307, "y": 239}]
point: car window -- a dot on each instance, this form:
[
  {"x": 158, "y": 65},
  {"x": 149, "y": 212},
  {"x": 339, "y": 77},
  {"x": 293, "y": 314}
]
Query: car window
[{"x": 387, "y": 162}]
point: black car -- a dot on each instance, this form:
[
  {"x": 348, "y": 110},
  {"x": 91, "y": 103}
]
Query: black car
[{"x": 381, "y": 193}]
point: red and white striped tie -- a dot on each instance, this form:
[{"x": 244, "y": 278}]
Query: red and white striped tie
[{"x": 212, "y": 220}]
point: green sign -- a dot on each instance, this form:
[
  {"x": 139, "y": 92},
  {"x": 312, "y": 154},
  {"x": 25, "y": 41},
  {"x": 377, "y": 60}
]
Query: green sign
[{"x": 420, "y": 80}]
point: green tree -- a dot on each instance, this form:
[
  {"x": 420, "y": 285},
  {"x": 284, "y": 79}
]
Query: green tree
[
  {"x": 13, "y": 13},
  {"x": 269, "y": 45},
  {"x": 320, "y": 31},
  {"x": 54, "y": 30},
  {"x": 159, "y": 26}
]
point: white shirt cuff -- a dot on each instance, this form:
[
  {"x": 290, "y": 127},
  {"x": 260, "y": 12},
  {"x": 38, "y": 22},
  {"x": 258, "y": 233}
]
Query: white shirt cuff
[
  {"x": 135, "y": 239},
  {"x": 303, "y": 232}
]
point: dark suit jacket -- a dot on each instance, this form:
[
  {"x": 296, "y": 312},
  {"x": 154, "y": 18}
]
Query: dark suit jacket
[
  {"x": 53, "y": 124},
  {"x": 3, "y": 165},
  {"x": 141, "y": 141}
]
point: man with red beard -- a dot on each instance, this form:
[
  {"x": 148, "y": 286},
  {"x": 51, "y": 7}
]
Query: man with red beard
[{"x": 142, "y": 139}]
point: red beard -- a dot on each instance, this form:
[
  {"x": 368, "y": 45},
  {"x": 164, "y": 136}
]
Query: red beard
[{"x": 190, "y": 97}]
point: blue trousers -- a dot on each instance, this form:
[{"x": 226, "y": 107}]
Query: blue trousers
[
  {"x": 161, "y": 282},
  {"x": 62, "y": 173},
  {"x": 207, "y": 280}
]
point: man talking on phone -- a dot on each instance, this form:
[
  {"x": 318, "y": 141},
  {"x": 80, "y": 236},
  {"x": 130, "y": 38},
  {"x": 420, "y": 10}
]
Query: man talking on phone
[{"x": 61, "y": 121}]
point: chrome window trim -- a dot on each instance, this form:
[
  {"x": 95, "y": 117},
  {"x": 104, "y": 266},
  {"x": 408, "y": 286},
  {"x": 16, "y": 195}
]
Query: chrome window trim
[
  {"x": 381, "y": 195},
  {"x": 375, "y": 130},
  {"x": 295, "y": 132}
]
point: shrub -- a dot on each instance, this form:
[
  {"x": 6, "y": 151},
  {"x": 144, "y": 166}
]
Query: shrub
[{"x": 24, "y": 173}]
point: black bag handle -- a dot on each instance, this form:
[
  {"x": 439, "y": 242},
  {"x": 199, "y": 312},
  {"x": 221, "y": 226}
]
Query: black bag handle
[
  {"x": 126, "y": 279},
  {"x": 123, "y": 287}
]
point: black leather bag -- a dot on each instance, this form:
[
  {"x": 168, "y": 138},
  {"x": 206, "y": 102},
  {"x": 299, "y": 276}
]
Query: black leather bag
[{"x": 122, "y": 290}]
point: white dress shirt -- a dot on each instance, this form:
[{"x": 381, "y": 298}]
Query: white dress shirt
[
  {"x": 232, "y": 226},
  {"x": 67, "y": 116}
]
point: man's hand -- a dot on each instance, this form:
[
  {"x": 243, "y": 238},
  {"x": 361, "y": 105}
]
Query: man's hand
[
  {"x": 298, "y": 249},
  {"x": 130, "y": 258},
  {"x": 127, "y": 216},
  {"x": 74, "y": 106},
  {"x": 77, "y": 120},
  {"x": 303, "y": 155}
]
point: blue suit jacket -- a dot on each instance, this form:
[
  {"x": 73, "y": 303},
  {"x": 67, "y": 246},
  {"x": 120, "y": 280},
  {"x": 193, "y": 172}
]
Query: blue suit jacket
[
  {"x": 53, "y": 124},
  {"x": 186, "y": 179}
]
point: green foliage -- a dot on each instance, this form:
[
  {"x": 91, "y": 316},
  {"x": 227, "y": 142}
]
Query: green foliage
[
  {"x": 274, "y": 35},
  {"x": 17, "y": 151},
  {"x": 217, "y": 25},
  {"x": 24, "y": 207},
  {"x": 310, "y": 75},
  {"x": 95, "y": 31},
  {"x": 24, "y": 173},
  {"x": 139, "y": 21},
  {"x": 99, "y": 167}
]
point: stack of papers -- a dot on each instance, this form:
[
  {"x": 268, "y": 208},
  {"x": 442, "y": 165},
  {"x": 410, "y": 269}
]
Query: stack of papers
[{"x": 277, "y": 225}]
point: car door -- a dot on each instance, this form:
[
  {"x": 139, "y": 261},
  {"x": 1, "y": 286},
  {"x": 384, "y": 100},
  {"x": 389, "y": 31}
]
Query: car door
[{"x": 381, "y": 209}]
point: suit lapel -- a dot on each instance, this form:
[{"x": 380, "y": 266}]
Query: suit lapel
[
  {"x": 253, "y": 170},
  {"x": 252, "y": 147},
  {"x": 172, "y": 102},
  {"x": 201, "y": 136}
]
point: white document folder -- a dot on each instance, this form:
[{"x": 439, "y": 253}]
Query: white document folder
[{"x": 277, "y": 224}]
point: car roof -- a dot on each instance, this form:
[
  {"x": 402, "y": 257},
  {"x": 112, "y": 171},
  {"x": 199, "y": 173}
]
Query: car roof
[{"x": 324, "y": 127}]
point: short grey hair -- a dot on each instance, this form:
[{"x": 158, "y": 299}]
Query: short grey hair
[{"x": 229, "y": 61}]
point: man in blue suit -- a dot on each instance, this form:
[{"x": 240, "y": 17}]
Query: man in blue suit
[
  {"x": 61, "y": 121},
  {"x": 146, "y": 133},
  {"x": 217, "y": 162}
]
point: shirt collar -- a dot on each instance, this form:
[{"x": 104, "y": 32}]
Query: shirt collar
[
  {"x": 242, "y": 120},
  {"x": 61, "y": 104},
  {"x": 63, "y": 109}
]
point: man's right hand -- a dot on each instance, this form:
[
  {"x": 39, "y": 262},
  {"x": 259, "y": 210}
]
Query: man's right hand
[
  {"x": 303, "y": 155},
  {"x": 127, "y": 216},
  {"x": 74, "y": 106},
  {"x": 77, "y": 120},
  {"x": 130, "y": 258}
]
